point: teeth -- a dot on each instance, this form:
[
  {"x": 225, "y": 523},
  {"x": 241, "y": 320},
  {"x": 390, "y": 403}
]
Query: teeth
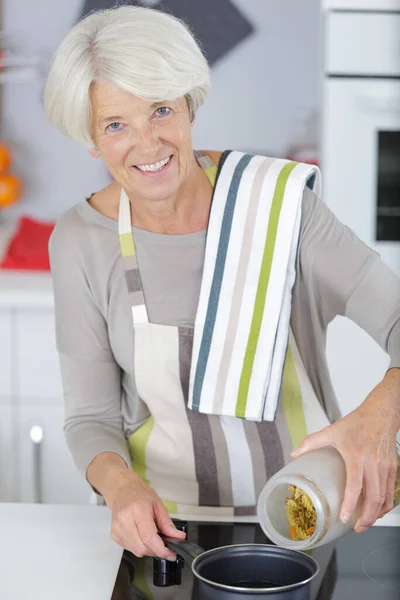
[{"x": 155, "y": 166}]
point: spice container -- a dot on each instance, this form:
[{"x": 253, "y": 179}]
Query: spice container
[{"x": 321, "y": 475}]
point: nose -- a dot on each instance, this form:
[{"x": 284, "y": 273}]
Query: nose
[{"x": 146, "y": 140}]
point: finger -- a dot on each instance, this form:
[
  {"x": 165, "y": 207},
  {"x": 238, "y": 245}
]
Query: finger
[
  {"x": 375, "y": 491},
  {"x": 391, "y": 481},
  {"x": 125, "y": 533},
  {"x": 312, "y": 442},
  {"x": 135, "y": 544},
  {"x": 354, "y": 482},
  {"x": 165, "y": 523},
  {"x": 149, "y": 536}
]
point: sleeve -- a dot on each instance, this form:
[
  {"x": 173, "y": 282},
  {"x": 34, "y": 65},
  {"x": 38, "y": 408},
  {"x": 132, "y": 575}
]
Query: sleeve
[
  {"x": 348, "y": 278},
  {"x": 90, "y": 375}
]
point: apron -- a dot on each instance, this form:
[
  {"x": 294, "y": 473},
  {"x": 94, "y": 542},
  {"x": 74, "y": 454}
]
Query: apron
[{"x": 204, "y": 465}]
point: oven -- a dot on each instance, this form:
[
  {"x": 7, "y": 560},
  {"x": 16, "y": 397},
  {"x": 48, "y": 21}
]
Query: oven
[{"x": 360, "y": 162}]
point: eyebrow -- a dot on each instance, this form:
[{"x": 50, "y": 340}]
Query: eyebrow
[{"x": 117, "y": 118}]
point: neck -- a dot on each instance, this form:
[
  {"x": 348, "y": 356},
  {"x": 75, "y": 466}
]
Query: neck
[{"x": 185, "y": 212}]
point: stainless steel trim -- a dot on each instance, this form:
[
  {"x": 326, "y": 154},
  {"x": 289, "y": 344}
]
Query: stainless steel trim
[
  {"x": 253, "y": 591},
  {"x": 36, "y": 435}
]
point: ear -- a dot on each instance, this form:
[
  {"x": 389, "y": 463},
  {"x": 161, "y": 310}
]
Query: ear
[
  {"x": 193, "y": 121},
  {"x": 94, "y": 153}
]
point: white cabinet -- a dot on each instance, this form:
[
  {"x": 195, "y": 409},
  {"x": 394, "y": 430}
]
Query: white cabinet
[
  {"x": 46, "y": 471},
  {"x": 7, "y": 462},
  {"x": 31, "y": 397},
  {"x": 349, "y": 349},
  {"x": 39, "y": 379},
  {"x": 362, "y": 44},
  {"x": 5, "y": 353},
  {"x": 358, "y": 113},
  {"x": 360, "y": 159},
  {"x": 362, "y": 5}
]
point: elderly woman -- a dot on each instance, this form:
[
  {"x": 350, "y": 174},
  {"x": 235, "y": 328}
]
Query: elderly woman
[{"x": 131, "y": 265}]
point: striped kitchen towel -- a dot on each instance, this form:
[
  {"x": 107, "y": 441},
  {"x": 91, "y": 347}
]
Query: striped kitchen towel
[{"x": 242, "y": 322}]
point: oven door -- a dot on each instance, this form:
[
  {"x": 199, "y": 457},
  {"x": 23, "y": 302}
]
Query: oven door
[{"x": 361, "y": 160}]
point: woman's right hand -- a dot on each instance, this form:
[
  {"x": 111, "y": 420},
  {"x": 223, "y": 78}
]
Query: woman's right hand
[{"x": 137, "y": 515}]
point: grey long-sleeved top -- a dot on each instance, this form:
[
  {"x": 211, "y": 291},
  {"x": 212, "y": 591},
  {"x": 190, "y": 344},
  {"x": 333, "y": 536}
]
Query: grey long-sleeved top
[{"x": 336, "y": 275}]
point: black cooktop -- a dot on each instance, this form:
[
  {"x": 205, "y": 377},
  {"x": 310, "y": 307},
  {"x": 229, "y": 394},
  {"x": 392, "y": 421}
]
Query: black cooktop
[{"x": 358, "y": 567}]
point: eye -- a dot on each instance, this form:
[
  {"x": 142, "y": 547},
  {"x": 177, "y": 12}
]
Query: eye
[
  {"x": 113, "y": 127},
  {"x": 163, "y": 111}
]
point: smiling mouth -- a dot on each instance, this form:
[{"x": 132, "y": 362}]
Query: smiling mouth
[{"x": 154, "y": 167}]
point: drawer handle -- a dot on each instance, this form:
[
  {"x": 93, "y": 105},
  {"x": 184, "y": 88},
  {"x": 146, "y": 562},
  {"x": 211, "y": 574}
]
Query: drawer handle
[
  {"x": 379, "y": 103},
  {"x": 36, "y": 435}
]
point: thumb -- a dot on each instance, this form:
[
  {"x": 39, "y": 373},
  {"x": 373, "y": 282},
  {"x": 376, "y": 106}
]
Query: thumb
[
  {"x": 311, "y": 442},
  {"x": 165, "y": 523}
]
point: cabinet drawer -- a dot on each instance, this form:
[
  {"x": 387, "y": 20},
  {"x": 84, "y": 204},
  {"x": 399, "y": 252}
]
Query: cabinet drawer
[
  {"x": 46, "y": 470},
  {"x": 5, "y": 353},
  {"x": 362, "y": 44},
  {"x": 39, "y": 378},
  {"x": 377, "y": 5}
]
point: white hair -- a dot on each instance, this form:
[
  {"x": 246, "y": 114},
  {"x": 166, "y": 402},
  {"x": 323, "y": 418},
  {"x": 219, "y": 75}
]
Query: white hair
[{"x": 142, "y": 50}]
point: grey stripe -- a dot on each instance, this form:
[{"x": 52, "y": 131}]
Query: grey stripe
[
  {"x": 257, "y": 456},
  {"x": 283, "y": 431},
  {"x": 245, "y": 511},
  {"x": 203, "y": 447},
  {"x": 133, "y": 280},
  {"x": 237, "y": 296},
  {"x": 204, "y": 160},
  {"x": 223, "y": 464},
  {"x": 271, "y": 444}
]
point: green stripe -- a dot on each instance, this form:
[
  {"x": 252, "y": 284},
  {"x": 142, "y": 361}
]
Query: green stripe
[
  {"x": 171, "y": 507},
  {"x": 211, "y": 173},
  {"x": 292, "y": 401},
  {"x": 137, "y": 446},
  {"x": 262, "y": 289},
  {"x": 127, "y": 244}
]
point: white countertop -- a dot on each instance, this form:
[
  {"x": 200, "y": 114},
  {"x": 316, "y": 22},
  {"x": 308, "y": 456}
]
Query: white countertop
[
  {"x": 25, "y": 289},
  {"x": 50, "y": 552}
]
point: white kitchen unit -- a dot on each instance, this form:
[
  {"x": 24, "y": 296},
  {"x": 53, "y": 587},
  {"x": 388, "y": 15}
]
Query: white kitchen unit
[
  {"x": 57, "y": 552},
  {"x": 5, "y": 355},
  {"x": 360, "y": 162},
  {"x": 35, "y": 463},
  {"x": 6, "y": 451}
]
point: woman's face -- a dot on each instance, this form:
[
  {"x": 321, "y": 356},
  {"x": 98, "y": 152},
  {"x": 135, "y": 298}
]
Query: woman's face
[{"x": 146, "y": 147}]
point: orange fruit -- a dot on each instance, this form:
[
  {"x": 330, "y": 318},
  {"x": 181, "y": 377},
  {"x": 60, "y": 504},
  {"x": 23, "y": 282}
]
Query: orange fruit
[
  {"x": 5, "y": 157},
  {"x": 10, "y": 189}
]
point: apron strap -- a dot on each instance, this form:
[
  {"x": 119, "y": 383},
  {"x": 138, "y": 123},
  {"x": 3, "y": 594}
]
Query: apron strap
[{"x": 128, "y": 250}]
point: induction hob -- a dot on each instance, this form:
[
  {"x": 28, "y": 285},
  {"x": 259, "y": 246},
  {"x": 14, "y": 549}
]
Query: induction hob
[{"x": 358, "y": 567}]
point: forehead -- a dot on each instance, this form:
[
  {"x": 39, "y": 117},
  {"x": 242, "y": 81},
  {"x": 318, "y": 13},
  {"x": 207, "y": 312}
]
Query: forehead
[
  {"x": 105, "y": 95},
  {"x": 107, "y": 99}
]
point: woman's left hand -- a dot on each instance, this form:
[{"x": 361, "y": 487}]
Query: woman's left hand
[{"x": 366, "y": 439}]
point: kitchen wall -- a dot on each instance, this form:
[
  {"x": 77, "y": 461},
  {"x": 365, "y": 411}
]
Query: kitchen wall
[{"x": 257, "y": 90}]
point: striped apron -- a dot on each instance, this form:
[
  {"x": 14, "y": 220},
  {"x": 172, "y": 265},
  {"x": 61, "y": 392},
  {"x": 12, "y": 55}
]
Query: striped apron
[{"x": 204, "y": 465}]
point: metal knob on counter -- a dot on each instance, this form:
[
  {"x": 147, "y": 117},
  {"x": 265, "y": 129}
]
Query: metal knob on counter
[{"x": 36, "y": 435}]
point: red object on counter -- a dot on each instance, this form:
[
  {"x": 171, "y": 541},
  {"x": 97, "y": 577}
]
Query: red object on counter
[{"x": 28, "y": 248}]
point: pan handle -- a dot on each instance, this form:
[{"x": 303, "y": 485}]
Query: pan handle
[{"x": 186, "y": 549}]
